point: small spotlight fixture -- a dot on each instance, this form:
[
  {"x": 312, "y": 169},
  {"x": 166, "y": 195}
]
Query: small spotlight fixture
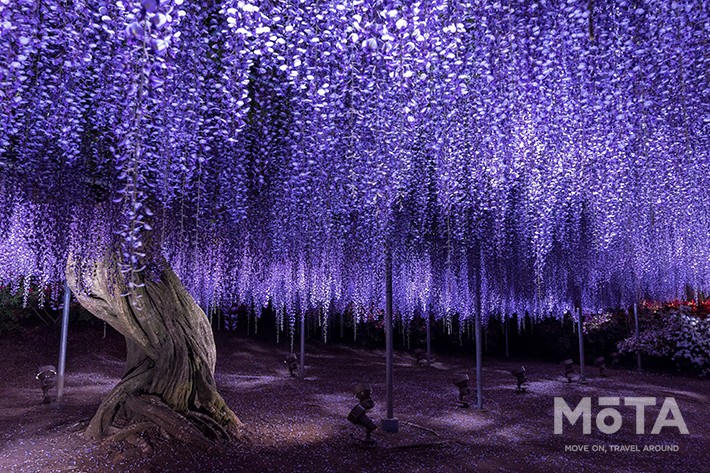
[
  {"x": 363, "y": 393},
  {"x": 419, "y": 355},
  {"x": 47, "y": 376},
  {"x": 461, "y": 382},
  {"x": 292, "y": 363},
  {"x": 569, "y": 369},
  {"x": 601, "y": 364},
  {"x": 520, "y": 376},
  {"x": 615, "y": 359},
  {"x": 358, "y": 414}
]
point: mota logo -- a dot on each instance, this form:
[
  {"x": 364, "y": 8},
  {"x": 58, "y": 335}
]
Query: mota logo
[{"x": 608, "y": 420}]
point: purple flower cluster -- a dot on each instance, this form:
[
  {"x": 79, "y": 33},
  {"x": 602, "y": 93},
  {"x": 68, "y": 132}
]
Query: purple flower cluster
[{"x": 527, "y": 156}]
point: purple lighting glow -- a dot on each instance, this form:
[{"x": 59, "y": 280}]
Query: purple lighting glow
[{"x": 271, "y": 150}]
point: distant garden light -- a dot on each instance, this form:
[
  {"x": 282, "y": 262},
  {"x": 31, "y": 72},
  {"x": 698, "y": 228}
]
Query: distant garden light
[
  {"x": 461, "y": 382},
  {"x": 569, "y": 369},
  {"x": 47, "y": 375},
  {"x": 615, "y": 359},
  {"x": 292, "y": 363},
  {"x": 601, "y": 364},
  {"x": 521, "y": 379},
  {"x": 419, "y": 355}
]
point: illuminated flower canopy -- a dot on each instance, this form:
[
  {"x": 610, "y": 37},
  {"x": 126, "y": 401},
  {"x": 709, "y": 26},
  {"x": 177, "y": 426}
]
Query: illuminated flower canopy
[{"x": 554, "y": 152}]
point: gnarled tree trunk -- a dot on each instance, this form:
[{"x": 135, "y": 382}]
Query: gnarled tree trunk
[{"x": 169, "y": 377}]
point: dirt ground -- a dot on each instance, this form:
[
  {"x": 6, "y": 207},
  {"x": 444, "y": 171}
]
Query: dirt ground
[{"x": 300, "y": 425}]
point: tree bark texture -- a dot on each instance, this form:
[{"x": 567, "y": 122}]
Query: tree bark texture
[{"x": 170, "y": 362}]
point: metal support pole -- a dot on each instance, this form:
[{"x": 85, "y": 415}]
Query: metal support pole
[
  {"x": 302, "y": 359},
  {"x": 63, "y": 342},
  {"x": 390, "y": 424},
  {"x": 479, "y": 347},
  {"x": 479, "y": 362},
  {"x": 638, "y": 353},
  {"x": 505, "y": 331},
  {"x": 582, "y": 379},
  {"x": 428, "y": 339},
  {"x": 388, "y": 334}
]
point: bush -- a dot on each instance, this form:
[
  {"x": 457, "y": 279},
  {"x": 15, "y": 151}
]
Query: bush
[
  {"x": 11, "y": 309},
  {"x": 23, "y": 307},
  {"x": 674, "y": 333},
  {"x": 604, "y": 331}
]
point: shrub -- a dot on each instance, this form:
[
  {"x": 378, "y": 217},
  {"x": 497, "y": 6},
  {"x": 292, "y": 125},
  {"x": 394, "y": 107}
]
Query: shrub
[
  {"x": 11, "y": 309},
  {"x": 674, "y": 333},
  {"x": 604, "y": 331}
]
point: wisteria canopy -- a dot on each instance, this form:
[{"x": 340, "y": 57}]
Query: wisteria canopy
[{"x": 550, "y": 153}]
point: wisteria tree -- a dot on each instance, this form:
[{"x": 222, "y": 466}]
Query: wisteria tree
[{"x": 514, "y": 157}]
